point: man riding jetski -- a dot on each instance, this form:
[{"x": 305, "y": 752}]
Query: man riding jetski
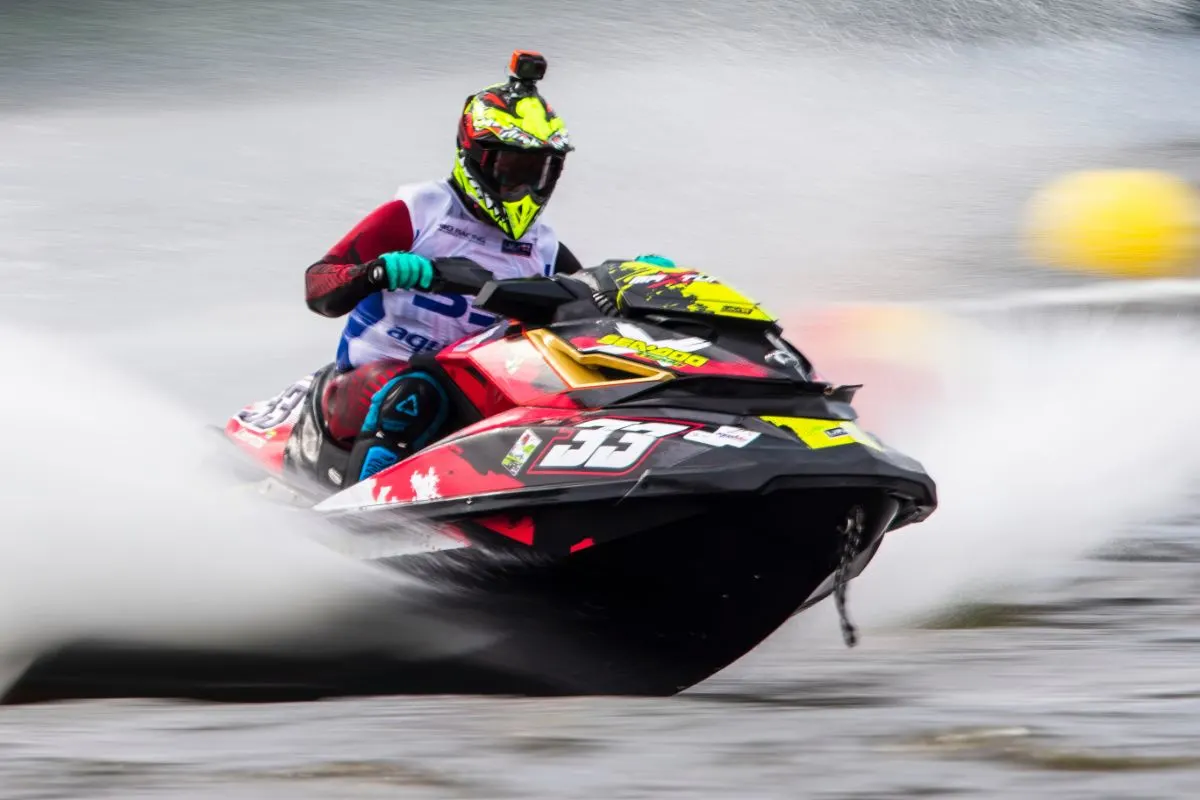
[
  {"x": 511, "y": 151},
  {"x": 639, "y": 481}
]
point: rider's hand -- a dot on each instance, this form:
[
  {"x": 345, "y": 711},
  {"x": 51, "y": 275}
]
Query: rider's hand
[
  {"x": 656, "y": 260},
  {"x": 402, "y": 271}
]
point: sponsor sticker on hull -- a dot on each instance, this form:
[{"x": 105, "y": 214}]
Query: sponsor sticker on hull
[
  {"x": 724, "y": 436},
  {"x": 522, "y": 450}
]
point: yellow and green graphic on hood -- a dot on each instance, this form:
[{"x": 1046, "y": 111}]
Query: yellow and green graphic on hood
[{"x": 647, "y": 286}]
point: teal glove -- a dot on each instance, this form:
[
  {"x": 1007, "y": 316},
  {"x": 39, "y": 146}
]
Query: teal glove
[
  {"x": 656, "y": 260},
  {"x": 405, "y": 271}
]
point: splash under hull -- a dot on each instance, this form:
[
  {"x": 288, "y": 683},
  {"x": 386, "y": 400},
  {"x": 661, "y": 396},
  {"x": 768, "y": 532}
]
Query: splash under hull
[{"x": 648, "y": 614}]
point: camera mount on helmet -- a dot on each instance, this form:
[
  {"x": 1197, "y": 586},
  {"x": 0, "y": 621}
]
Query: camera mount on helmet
[{"x": 527, "y": 67}]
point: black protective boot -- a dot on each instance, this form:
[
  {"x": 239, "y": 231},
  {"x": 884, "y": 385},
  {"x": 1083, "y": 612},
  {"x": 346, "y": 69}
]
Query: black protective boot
[{"x": 408, "y": 413}]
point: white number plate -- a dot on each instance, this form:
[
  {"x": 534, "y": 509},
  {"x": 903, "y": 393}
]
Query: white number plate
[{"x": 606, "y": 445}]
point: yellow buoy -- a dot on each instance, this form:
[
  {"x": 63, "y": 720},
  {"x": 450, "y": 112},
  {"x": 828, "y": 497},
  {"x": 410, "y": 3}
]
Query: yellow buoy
[{"x": 1124, "y": 223}]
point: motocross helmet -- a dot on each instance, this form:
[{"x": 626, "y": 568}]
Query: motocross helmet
[{"x": 511, "y": 148}]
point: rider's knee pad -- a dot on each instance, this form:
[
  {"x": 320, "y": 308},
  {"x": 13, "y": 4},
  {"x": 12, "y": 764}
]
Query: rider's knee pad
[{"x": 410, "y": 409}]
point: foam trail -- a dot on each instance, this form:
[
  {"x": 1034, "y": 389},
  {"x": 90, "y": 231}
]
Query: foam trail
[
  {"x": 108, "y": 527},
  {"x": 1051, "y": 439}
]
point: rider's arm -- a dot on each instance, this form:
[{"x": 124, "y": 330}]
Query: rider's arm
[
  {"x": 334, "y": 285},
  {"x": 565, "y": 262}
]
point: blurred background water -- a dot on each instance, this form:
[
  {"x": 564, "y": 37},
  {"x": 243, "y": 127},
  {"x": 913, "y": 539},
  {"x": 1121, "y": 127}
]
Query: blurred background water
[{"x": 168, "y": 169}]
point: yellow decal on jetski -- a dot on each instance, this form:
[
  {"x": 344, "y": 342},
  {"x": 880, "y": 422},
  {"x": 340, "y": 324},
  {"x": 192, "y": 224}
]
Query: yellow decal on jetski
[
  {"x": 683, "y": 289},
  {"x": 657, "y": 352},
  {"x": 822, "y": 433}
]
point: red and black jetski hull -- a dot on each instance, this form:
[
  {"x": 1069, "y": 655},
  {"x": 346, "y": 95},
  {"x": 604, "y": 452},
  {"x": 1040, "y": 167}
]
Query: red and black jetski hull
[{"x": 642, "y": 615}]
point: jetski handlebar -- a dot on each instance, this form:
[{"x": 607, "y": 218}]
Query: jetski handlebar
[
  {"x": 458, "y": 275},
  {"x": 532, "y": 301}
]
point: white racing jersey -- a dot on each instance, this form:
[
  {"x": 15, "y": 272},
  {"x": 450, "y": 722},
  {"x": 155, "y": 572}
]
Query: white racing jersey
[{"x": 399, "y": 324}]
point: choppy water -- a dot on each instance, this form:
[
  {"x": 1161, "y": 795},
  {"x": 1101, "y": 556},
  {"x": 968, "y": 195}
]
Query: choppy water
[
  {"x": 1084, "y": 689},
  {"x": 168, "y": 169}
]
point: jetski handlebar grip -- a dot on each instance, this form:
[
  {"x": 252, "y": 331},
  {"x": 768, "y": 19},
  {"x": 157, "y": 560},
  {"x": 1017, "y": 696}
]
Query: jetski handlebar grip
[{"x": 458, "y": 276}]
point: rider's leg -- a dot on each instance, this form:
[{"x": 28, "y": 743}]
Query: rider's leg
[
  {"x": 405, "y": 414},
  {"x": 347, "y": 397}
]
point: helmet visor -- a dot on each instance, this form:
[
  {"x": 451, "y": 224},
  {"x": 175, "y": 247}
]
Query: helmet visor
[{"x": 514, "y": 174}]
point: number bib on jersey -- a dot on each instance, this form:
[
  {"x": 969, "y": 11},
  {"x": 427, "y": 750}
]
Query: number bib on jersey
[{"x": 400, "y": 324}]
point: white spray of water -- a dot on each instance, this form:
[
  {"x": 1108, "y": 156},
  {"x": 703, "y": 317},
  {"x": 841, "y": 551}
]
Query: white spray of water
[
  {"x": 109, "y": 528},
  {"x": 1051, "y": 438},
  {"x": 1047, "y": 441}
]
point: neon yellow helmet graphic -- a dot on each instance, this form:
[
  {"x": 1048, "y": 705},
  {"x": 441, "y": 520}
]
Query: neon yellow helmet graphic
[{"x": 511, "y": 148}]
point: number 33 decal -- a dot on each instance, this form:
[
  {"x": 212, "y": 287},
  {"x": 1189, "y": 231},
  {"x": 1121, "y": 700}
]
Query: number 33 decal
[{"x": 607, "y": 444}]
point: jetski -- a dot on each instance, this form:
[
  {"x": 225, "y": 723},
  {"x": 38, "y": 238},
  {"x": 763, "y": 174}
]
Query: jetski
[{"x": 645, "y": 480}]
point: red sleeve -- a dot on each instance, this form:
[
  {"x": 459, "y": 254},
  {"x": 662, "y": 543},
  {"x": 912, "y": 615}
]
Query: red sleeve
[{"x": 335, "y": 284}]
